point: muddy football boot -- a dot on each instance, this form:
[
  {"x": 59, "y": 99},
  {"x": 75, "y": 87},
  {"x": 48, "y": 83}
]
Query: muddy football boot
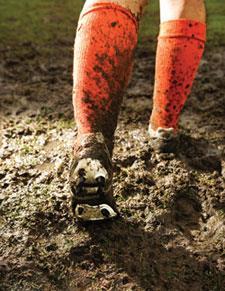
[
  {"x": 163, "y": 140},
  {"x": 91, "y": 179}
]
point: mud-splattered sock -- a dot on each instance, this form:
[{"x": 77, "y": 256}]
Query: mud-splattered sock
[
  {"x": 180, "y": 48},
  {"x": 104, "y": 48}
]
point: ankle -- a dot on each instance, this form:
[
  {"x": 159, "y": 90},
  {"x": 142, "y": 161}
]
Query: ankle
[
  {"x": 161, "y": 132},
  {"x": 88, "y": 139}
]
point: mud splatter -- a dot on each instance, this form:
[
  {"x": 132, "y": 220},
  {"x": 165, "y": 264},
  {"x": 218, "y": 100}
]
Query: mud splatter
[{"x": 172, "y": 233}]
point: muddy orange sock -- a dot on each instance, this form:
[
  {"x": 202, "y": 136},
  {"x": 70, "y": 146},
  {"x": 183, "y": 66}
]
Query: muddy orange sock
[
  {"x": 104, "y": 48},
  {"x": 180, "y": 48}
]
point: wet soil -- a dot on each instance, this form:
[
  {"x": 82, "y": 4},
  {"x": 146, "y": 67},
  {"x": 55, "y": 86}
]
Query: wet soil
[{"x": 172, "y": 232}]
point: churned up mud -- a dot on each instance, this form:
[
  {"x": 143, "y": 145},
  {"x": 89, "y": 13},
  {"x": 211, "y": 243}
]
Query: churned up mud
[{"x": 172, "y": 232}]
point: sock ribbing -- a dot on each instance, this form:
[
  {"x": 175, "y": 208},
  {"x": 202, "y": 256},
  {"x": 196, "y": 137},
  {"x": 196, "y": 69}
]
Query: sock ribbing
[{"x": 179, "y": 51}]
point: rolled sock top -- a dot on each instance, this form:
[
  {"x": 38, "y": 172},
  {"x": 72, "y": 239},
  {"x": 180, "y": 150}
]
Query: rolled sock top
[{"x": 183, "y": 28}]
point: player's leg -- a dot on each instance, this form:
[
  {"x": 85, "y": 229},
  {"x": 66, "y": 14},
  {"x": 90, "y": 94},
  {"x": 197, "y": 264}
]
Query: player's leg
[
  {"x": 134, "y": 6},
  {"x": 182, "y": 9},
  {"x": 180, "y": 48},
  {"x": 104, "y": 47}
]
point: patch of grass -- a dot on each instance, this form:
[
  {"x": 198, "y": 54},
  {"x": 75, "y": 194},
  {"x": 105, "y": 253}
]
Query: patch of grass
[
  {"x": 149, "y": 26},
  {"x": 215, "y": 20},
  {"x": 38, "y": 21},
  {"x": 64, "y": 123}
]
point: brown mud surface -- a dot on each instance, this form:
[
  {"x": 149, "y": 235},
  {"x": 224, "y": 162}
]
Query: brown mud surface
[{"x": 172, "y": 235}]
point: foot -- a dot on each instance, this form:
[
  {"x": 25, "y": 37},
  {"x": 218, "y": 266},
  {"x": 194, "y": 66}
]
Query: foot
[
  {"x": 91, "y": 179},
  {"x": 163, "y": 140}
]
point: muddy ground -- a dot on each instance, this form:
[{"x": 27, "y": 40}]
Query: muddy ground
[{"x": 172, "y": 235}]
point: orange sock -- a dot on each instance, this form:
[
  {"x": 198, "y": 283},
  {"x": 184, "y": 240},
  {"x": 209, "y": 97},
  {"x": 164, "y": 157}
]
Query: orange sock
[
  {"x": 104, "y": 48},
  {"x": 180, "y": 48}
]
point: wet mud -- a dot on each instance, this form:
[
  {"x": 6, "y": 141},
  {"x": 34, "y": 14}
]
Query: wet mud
[{"x": 172, "y": 230}]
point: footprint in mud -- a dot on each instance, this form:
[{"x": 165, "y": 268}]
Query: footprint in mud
[
  {"x": 186, "y": 212},
  {"x": 200, "y": 154},
  {"x": 142, "y": 260}
]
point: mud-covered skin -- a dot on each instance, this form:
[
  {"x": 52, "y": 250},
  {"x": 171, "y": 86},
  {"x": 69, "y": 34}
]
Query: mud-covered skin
[{"x": 172, "y": 235}]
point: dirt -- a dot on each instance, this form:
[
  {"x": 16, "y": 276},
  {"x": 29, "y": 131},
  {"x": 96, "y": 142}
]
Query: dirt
[{"x": 171, "y": 235}]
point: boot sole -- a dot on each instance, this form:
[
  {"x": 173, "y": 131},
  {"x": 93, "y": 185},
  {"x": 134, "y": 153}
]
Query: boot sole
[{"x": 88, "y": 203}]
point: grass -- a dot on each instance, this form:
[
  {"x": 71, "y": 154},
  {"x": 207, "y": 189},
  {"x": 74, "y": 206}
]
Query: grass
[
  {"x": 48, "y": 22},
  {"x": 38, "y": 21},
  {"x": 215, "y": 20}
]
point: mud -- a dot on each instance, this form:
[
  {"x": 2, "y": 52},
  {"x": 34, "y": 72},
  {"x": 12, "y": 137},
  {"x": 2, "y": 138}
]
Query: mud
[{"x": 171, "y": 236}]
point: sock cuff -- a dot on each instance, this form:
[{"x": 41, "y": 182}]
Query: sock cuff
[
  {"x": 110, "y": 6},
  {"x": 183, "y": 28}
]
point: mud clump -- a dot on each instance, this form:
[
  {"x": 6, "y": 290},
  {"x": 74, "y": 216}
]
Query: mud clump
[{"x": 171, "y": 235}]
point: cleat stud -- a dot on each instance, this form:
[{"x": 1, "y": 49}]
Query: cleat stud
[
  {"x": 105, "y": 213},
  {"x": 80, "y": 210},
  {"x": 100, "y": 180},
  {"x": 81, "y": 172},
  {"x": 73, "y": 205},
  {"x": 78, "y": 189},
  {"x": 81, "y": 180}
]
